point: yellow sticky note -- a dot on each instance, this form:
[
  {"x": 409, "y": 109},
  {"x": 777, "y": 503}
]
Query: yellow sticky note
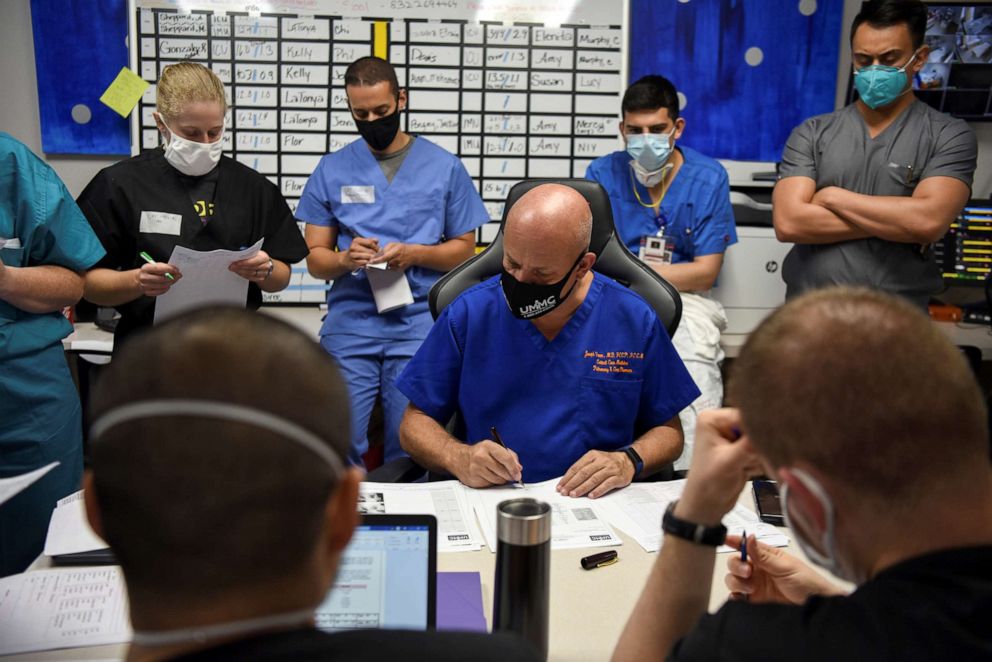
[{"x": 125, "y": 92}]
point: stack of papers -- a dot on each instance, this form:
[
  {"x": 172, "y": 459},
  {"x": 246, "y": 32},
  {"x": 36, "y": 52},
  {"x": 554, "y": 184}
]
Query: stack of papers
[
  {"x": 63, "y": 608},
  {"x": 456, "y": 527},
  {"x": 638, "y": 508},
  {"x": 69, "y": 531},
  {"x": 575, "y": 522}
]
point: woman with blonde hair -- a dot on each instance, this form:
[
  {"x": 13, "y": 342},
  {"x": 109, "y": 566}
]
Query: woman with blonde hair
[{"x": 185, "y": 193}]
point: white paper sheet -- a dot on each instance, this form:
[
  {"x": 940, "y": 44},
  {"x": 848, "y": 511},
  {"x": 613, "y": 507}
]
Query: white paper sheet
[
  {"x": 637, "y": 511},
  {"x": 69, "y": 531},
  {"x": 206, "y": 281},
  {"x": 390, "y": 288},
  {"x": 575, "y": 522},
  {"x": 457, "y": 530},
  {"x": 14, "y": 485},
  {"x": 63, "y": 608}
]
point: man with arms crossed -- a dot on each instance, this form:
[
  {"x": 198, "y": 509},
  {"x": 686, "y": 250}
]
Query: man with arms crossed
[{"x": 865, "y": 189}]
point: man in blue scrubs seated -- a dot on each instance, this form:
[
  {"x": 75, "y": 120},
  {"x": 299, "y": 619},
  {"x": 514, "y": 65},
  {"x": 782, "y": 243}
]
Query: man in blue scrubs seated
[
  {"x": 45, "y": 244},
  {"x": 390, "y": 199},
  {"x": 573, "y": 370},
  {"x": 679, "y": 200}
]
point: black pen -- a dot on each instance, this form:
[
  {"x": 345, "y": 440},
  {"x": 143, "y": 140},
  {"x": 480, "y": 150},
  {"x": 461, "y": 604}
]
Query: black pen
[
  {"x": 499, "y": 441},
  {"x": 743, "y": 550}
]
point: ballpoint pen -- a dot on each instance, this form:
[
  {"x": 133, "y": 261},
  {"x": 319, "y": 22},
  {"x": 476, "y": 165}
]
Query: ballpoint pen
[
  {"x": 499, "y": 441},
  {"x": 148, "y": 258},
  {"x": 743, "y": 549}
]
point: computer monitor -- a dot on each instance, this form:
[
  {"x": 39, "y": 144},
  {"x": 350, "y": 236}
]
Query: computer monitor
[
  {"x": 387, "y": 577},
  {"x": 957, "y": 78},
  {"x": 965, "y": 252}
]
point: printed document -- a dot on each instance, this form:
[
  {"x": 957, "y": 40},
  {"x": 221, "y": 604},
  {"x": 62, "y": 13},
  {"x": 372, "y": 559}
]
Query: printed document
[
  {"x": 575, "y": 522},
  {"x": 638, "y": 508},
  {"x": 456, "y": 527},
  {"x": 63, "y": 608},
  {"x": 206, "y": 281},
  {"x": 14, "y": 485},
  {"x": 69, "y": 531}
]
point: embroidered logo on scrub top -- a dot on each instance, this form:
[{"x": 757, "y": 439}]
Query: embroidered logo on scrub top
[
  {"x": 616, "y": 363},
  {"x": 357, "y": 195},
  {"x": 204, "y": 210}
]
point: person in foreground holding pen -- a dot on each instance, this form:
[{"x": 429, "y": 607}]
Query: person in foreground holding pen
[
  {"x": 218, "y": 479},
  {"x": 896, "y": 498},
  {"x": 575, "y": 370}
]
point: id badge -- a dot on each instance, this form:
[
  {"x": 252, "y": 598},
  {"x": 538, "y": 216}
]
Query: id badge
[{"x": 655, "y": 249}]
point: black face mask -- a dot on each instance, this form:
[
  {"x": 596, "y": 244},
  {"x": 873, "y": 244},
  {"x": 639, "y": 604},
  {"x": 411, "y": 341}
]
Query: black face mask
[
  {"x": 380, "y": 133},
  {"x": 528, "y": 301}
]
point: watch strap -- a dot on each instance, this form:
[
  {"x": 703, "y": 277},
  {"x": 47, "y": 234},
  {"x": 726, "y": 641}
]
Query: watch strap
[
  {"x": 635, "y": 459},
  {"x": 700, "y": 534}
]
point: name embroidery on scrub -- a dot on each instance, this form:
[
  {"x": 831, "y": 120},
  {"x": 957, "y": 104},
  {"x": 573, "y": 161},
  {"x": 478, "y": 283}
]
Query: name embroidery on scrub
[
  {"x": 617, "y": 363},
  {"x": 357, "y": 195}
]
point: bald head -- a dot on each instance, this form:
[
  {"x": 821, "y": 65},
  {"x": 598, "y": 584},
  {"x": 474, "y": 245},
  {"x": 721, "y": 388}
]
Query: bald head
[
  {"x": 546, "y": 230},
  {"x": 862, "y": 387}
]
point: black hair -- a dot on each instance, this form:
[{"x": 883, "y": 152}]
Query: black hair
[
  {"x": 371, "y": 70},
  {"x": 887, "y": 13},
  {"x": 651, "y": 92}
]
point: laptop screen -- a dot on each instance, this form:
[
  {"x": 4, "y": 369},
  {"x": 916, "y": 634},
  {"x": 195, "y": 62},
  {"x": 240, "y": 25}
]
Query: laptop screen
[{"x": 387, "y": 577}]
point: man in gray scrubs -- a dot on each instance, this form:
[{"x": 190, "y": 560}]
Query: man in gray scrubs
[{"x": 865, "y": 189}]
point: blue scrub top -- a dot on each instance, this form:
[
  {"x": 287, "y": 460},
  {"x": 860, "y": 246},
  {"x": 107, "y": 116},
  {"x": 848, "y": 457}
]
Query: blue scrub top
[
  {"x": 430, "y": 200},
  {"x": 610, "y": 375},
  {"x": 696, "y": 210},
  {"x": 37, "y": 210}
]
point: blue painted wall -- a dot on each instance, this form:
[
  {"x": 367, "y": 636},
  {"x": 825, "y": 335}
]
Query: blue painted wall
[
  {"x": 79, "y": 46},
  {"x": 734, "y": 110}
]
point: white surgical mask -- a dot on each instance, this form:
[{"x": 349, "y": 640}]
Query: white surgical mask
[
  {"x": 828, "y": 559},
  {"x": 190, "y": 157},
  {"x": 649, "y": 177}
]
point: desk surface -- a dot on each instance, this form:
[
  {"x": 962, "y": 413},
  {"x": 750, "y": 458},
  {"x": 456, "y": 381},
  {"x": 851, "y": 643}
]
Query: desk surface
[{"x": 589, "y": 608}]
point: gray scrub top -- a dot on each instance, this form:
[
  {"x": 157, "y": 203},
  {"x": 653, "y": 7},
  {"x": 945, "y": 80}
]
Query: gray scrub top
[{"x": 836, "y": 150}]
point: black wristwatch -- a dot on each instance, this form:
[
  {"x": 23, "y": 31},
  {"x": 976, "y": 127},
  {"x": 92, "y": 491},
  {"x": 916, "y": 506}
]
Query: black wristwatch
[
  {"x": 635, "y": 459},
  {"x": 697, "y": 533}
]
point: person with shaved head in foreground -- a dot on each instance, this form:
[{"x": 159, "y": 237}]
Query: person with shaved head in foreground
[
  {"x": 218, "y": 477},
  {"x": 574, "y": 371}
]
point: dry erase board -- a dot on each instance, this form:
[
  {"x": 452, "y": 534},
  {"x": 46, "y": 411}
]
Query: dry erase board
[{"x": 516, "y": 89}]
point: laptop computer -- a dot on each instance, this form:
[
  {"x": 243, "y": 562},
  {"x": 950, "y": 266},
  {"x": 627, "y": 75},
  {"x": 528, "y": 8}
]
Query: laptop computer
[{"x": 387, "y": 577}]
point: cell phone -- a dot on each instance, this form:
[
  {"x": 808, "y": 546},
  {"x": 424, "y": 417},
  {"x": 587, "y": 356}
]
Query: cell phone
[{"x": 767, "y": 500}]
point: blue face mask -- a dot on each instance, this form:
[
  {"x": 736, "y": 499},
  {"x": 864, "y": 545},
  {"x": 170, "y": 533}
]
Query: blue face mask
[
  {"x": 879, "y": 85},
  {"x": 650, "y": 150}
]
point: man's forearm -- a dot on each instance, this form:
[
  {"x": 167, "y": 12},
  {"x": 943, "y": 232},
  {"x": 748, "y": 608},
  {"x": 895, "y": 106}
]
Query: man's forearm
[
  {"x": 687, "y": 276},
  {"x": 447, "y": 255},
  {"x": 429, "y": 444},
  {"x": 40, "y": 289},
  {"x": 895, "y": 218},
  {"x": 660, "y": 445},
  {"x": 808, "y": 223},
  {"x": 109, "y": 287},
  {"x": 676, "y": 595}
]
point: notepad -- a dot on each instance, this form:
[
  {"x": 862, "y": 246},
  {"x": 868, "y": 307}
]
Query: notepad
[{"x": 390, "y": 288}]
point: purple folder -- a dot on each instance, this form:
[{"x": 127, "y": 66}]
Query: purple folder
[{"x": 459, "y": 602}]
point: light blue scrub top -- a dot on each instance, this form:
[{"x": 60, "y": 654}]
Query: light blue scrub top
[
  {"x": 695, "y": 212},
  {"x": 610, "y": 375},
  {"x": 430, "y": 200},
  {"x": 37, "y": 210}
]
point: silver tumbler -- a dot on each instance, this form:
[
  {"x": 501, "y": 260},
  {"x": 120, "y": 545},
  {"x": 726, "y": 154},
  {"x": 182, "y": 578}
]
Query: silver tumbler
[{"x": 523, "y": 570}]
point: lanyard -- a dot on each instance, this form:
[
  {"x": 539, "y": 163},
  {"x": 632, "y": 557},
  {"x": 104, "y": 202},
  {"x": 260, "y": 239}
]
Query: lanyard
[{"x": 654, "y": 206}]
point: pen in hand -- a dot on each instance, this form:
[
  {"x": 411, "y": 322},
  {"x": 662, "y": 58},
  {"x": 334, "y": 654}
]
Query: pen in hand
[
  {"x": 499, "y": 441},
  {"x": 743, "y": 550},
  {"x": 148, "y": 258}
]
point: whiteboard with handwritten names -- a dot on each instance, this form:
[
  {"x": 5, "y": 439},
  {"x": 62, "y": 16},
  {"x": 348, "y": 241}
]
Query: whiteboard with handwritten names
[{"x": 515, "y": 89}]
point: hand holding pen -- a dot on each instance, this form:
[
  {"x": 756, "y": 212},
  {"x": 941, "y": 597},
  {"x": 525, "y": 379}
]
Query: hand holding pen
[{"x": 499, "y": 440}]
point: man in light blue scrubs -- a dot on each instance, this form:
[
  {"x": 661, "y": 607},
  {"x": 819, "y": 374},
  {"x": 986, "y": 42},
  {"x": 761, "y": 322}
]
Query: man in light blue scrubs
[
  {"x": 390, "y": 199},
  {"x": 678, "y": 200},
  {"x": 573, "y": 371},
  {"x": 45, "y": 242}
]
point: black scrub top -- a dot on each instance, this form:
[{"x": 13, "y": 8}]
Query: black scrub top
[{"x": 246, "y": 208}]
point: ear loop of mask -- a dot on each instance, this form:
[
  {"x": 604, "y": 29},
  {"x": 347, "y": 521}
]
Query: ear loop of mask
[{"x": 239, "y": 414}]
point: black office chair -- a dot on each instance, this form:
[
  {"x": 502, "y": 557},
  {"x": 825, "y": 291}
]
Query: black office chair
[{"x": 613, "y": 259}]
